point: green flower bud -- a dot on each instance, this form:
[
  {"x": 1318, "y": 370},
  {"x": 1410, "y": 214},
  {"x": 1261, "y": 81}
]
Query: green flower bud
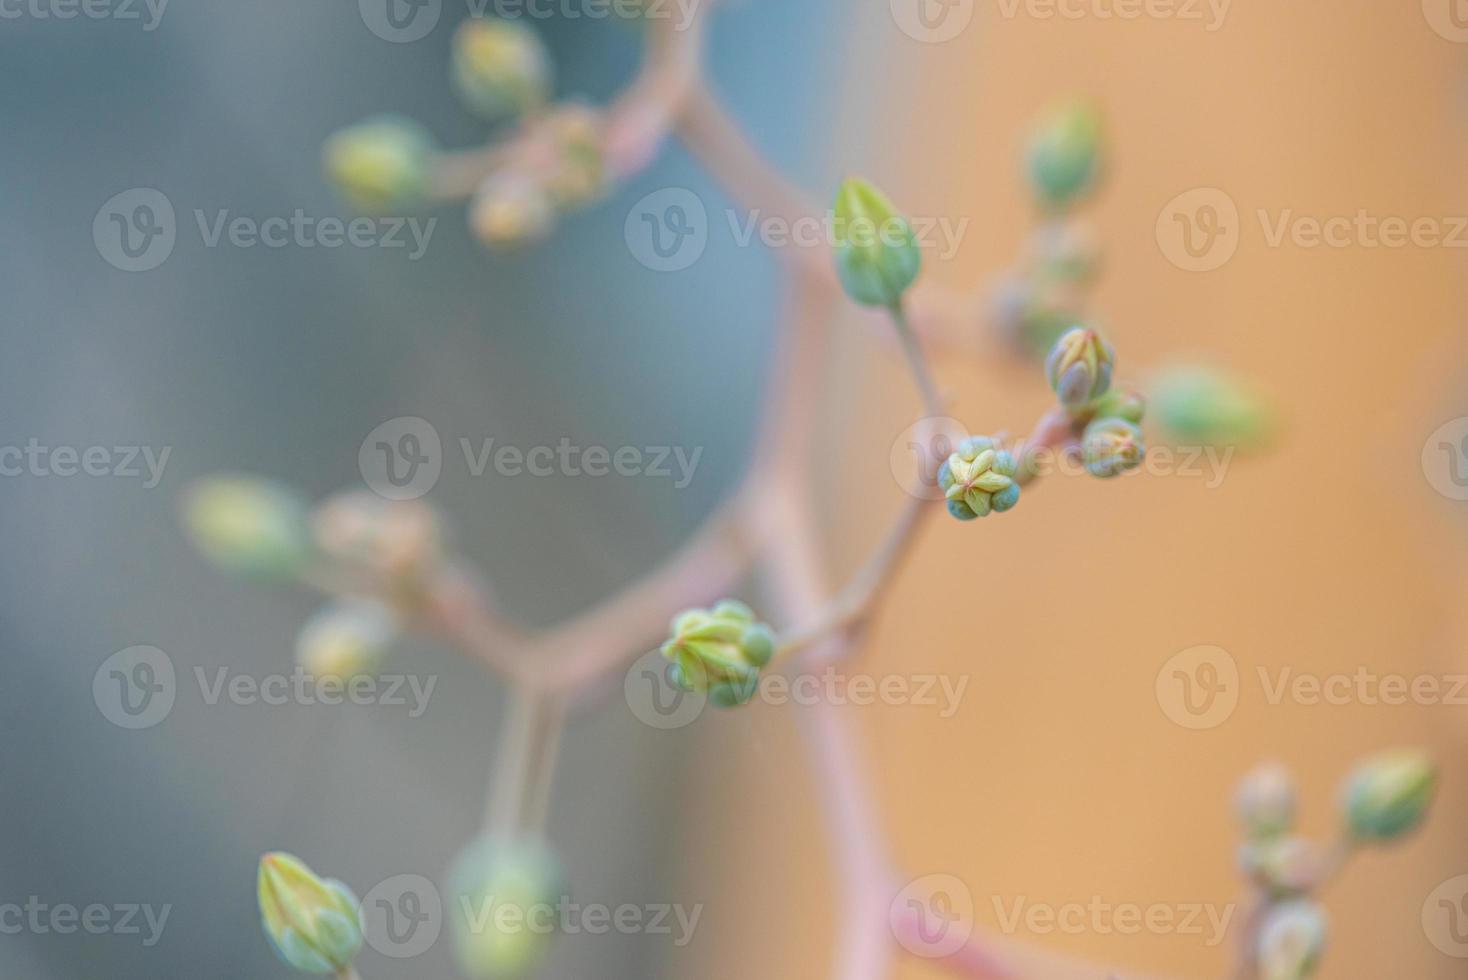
[
  {"x": 250, "y": 526},
  {"x": 507, "y": 894},
  {"x": 1291, "y": 941},
  {"x": 1079, "y": 367},
  {"x": 1110, "y": 447},
  {"x": 346, "y": 639},
  {"x": 1265, "y": 801},
  {"x": 394, "y": 539},
  {"x": 381, "y": 164},
  {"x": 313, "y": 923},
  {"x": 1065, "y": 154},
  {"x": 719, "y": 651},
  {"x": 511, "y": 209},
  {"x": 1388, "y": 794},
  {"x": 576, "y": 175},
  {"x": 1204, "y": 406},
  {"x": 1282, "y": 866},
  {"x": 877, "y": 253},
  {"x": 1122, "y": 404},
  {"x": 977, "y": 478},
  {"x": 500, "y": 67}
]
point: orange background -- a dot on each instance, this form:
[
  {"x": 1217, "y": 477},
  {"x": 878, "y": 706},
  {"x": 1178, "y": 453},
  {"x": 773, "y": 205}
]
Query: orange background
[{"x": 1061, "y": 778}]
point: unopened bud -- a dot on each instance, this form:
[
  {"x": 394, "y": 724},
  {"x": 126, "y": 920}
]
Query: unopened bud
[
  {"x": 1110, "y": 447},
  {"x": 978, "y": 478},
  {"x": 1291, "y": 941},
  {"x": 719, "y": 651},
  {"x": 1199, "y": 405},
  {"x": 1065, "y": 154},
  {"x": 1079, "y": 367},
  {"x": 250, "y": 526},
  {"x": 313, "y": 923},
  {"x": 500, "y": 67},
  {"x": 394, "y": 539},
  {"x": 381, "y": 164},
  {"x": 345, "y": 640},
  {"x": 877, "y": 253},
  {"x": 1282, "y": 866},
  {"x": 1265, "y": 801},
  {"x": 508, "y": 896},
  {"x": 511, "y": 209},
  {"x": 1388, "y": 794}
]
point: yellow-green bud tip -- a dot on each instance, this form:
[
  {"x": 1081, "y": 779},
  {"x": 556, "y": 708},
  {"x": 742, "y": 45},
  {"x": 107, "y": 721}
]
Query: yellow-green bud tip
[
  {"x": 380, "y": 164},
  {"x": 247, "y": 525},
  {"x": 877, "y": 254},
  {"x": 1388, "y": 794},
  {"x": 313, "y": 923},
  {"x": 500, "y": 67}
]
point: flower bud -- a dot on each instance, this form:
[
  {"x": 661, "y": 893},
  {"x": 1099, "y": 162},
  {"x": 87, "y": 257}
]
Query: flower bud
[
  {"x": 1205, "y": 406},
  {"x": 500, "y": 67},
  {"x": 877, "y": 254},
  {"x": 381, "y": 164},
  {"x": 314, "y": 924},
  {"x": 576, "y": 174},
  {"x": 719, "y": 651},
  {"x": 1291, "y": 941},
  {"x": 345, "y": 640},
  {"x": 250, "y": 526},
  {"x": 1122, "y": 404},
  {"x": 1065, "y": 154},
  {"x": 1282, "y": 866},
  {"x": 508, "y": 895},
  {"x": 1110, "y": 447},
  {"x": 1265, "y": 801},
  {"x": 1388, "y": 794},
  {"x": 396, "y": 539},
  {"x": 978, "y": 477},
  {"x": 510, "y": 209},
  {"x": 1079, "y": 367}
]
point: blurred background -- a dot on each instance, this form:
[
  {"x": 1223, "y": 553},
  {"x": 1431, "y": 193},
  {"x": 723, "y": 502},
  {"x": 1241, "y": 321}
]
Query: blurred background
[{"x": 1061, "y": 779}]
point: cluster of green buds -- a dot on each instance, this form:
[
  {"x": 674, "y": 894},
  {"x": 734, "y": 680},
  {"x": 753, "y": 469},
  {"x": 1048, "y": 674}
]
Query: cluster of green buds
[
  {"x": 978, "y": 478},
  {"x": 552, "y": 161},
  {"x": 314, "y": 924},
  {"x": 877, "y": 255},
  {"x": 507, "y": 893},
  {"x": 719, "y": 652},
  {"x": 1048, "y": 291},
  {"x": 1080, "y": 369},
  {"x": 1385, "y": 797}
]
